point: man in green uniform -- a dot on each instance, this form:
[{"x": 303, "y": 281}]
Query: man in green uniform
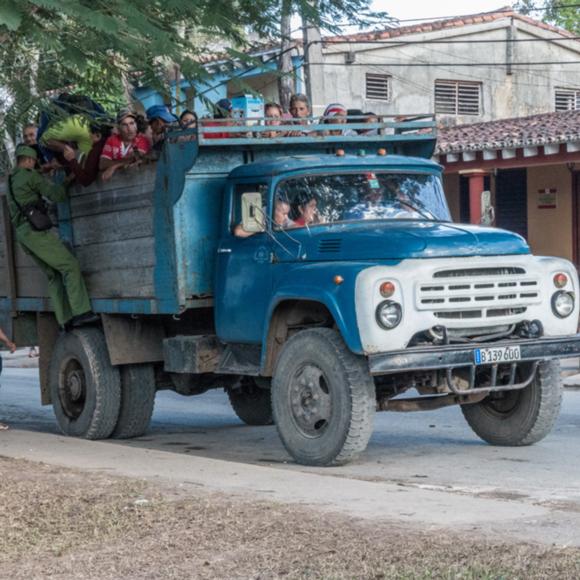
[{"x": 66, "y": 286}]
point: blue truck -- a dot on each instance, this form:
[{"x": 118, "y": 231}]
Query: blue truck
[{"x": 380, "y": 303}]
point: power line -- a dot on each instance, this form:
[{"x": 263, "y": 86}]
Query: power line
[
  {"x": 329, "y": 43},
  {"x": 442, "y": 64}
]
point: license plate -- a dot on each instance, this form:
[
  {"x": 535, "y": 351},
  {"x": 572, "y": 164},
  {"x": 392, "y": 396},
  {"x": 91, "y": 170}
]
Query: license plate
[{"x": 501, "y": 354}]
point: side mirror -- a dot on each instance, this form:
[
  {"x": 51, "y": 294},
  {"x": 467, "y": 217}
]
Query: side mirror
[
  {"x": 253, "y": 219},
  {"x": 487, "y": 210}
]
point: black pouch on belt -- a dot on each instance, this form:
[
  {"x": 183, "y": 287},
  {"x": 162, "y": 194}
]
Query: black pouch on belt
[{"x": 36, "y": 214}]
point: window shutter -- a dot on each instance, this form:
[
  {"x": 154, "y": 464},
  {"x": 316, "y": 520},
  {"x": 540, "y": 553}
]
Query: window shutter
[
  {"x": 378, "y": 87},
  {"x": 457, "y": 98},
  {"x": 567, "y": 100}
]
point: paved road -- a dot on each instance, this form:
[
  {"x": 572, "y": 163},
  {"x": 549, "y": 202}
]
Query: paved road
[{"x": 434, "y": 457}]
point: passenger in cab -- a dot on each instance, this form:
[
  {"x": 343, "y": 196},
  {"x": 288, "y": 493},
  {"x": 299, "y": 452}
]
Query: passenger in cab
[
  {"x": 281, "y": 220},
  {"x": 127, "y": 149},
  {"x": 305, "y": 210}
]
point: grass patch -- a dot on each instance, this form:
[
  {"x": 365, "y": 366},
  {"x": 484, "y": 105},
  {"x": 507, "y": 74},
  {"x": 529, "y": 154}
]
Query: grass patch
[{"x": 71, "y": 524}]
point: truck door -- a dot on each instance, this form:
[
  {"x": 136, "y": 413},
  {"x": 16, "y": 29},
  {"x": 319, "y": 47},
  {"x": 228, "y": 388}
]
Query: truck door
[{"x": 244, "y": 278}]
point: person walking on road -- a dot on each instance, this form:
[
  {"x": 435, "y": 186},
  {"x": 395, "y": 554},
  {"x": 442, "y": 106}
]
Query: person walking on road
[
  {"x": 66, "y": 286},
  {"x": 11, "y": 347}
]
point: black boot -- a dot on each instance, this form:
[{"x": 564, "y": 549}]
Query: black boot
[{"x": 84, "y": 319}]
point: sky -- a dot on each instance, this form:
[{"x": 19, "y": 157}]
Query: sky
[{"x": 429, "y": 8}]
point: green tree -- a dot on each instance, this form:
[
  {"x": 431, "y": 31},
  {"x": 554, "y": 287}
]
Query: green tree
[
  {"x": 562, "y": 13},
  {"x": 95, "y": 43}
]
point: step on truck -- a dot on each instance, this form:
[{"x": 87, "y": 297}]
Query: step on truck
[{"x": 380, "y": 303}]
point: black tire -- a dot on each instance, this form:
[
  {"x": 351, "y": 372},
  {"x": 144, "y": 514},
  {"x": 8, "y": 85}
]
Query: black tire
[
  {"x": 251, "y": 403},
  {"x": 137, "y": 401},
  {"x": 323, "y": 399},
  {"x": 85, "y": 387},
  {"x": 518, "y": 418}
]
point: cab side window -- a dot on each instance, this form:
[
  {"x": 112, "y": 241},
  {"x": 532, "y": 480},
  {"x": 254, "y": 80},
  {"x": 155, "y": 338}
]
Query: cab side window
[{"x": 239, "y": 190}]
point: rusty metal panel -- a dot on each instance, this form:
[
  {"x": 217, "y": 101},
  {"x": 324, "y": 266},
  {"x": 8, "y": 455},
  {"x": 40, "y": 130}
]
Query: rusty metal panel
[
  {"x": 133, "y": 340},
  {"x": 191, "y": 354},
  {"x": 48, "y": 331}
]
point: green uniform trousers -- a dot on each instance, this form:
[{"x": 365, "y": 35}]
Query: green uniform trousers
[{"x": 66, "y": 286}]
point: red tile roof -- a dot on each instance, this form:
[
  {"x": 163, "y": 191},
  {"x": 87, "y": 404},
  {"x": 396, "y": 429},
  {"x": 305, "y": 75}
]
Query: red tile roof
[
  {"x": 545, "y": 129},
  {"x": 456, "y": 22}
]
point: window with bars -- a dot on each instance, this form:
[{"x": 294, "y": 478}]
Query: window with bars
[
  {"x": 457, "y": 98},
  {"x": 567, "y": 99},
  {"x": 378, "y": 87}
]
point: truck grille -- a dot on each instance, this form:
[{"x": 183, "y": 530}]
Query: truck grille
[{"x": 478, "y": 293}]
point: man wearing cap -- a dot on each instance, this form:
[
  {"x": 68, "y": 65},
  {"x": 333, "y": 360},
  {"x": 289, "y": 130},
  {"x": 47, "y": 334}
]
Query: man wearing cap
[
  {"x": 125, "y": 149},
  {"x": 159, "y": 119},
  {"x": 66, "y": 286}
]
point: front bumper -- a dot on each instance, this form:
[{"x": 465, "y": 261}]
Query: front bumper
[{"x": 457, "y": 356}]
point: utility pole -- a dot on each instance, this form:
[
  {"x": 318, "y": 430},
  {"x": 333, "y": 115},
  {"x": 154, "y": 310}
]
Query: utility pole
[
  {"x": 285, "y": 79},
  {"x": 312, "y": 53}
]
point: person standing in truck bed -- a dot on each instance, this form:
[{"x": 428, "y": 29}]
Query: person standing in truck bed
[{"x": 66, "y": 286}]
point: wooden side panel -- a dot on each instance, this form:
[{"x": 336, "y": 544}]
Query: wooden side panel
[
  {"x": 112, "y": 231},
  {"x": 113, "y": 235}
]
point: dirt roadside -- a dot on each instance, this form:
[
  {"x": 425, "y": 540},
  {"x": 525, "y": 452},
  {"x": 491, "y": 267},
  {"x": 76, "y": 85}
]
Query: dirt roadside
[{"x": 62, "y": 523}]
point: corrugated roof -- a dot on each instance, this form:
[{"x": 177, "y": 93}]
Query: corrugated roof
[{"x": 544, "y": 129}]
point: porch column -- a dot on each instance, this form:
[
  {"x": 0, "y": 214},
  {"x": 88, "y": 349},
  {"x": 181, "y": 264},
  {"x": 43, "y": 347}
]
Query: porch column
[{"x": 476, "y": 186}]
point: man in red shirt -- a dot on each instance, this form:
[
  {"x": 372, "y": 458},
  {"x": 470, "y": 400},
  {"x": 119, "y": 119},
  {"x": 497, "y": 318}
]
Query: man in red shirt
[{"x": 125, "y": 149}]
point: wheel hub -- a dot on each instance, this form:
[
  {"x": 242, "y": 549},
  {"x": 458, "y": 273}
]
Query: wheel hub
[
  {"x": 310, "y": 401},
  {"x": 72, "y": 389},
  {"x": 75, "y": 384}
]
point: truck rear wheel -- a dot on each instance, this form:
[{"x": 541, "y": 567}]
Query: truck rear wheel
[
  {"x": 85, "y": 387},
  {"x": 323, "y": 399},
  {"x": 251, "y": 403},
  {"x": 137, "y": 401},
  {"x": 523, "y": 417}
]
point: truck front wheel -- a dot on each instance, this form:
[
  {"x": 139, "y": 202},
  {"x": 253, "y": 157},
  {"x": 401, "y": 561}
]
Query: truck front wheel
[
  {"x": 522, "y": 417},
  {"x": 323, "y": 399},
  {"x": 85, "y": 387}
]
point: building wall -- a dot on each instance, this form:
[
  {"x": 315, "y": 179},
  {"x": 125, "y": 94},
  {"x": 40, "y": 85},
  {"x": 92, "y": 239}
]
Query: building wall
[
  {"x": 550, "y": 230},
  {"x": 527, "y": 90}
]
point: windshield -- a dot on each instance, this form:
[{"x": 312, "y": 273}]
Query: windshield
[{"x": 315, "y": 199}]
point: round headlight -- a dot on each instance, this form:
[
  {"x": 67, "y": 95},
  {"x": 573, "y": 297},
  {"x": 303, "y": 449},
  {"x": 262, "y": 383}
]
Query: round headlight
[
  {"x": 388, "y": 314},
  {"x": 562, "y": 304}
]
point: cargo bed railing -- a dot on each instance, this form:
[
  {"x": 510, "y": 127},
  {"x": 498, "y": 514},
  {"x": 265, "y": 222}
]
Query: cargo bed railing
[{"x": 234, "y": 131}]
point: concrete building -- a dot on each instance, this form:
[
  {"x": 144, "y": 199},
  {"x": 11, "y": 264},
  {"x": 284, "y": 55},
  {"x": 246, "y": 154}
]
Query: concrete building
[{"x": 466, "y": 69}]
